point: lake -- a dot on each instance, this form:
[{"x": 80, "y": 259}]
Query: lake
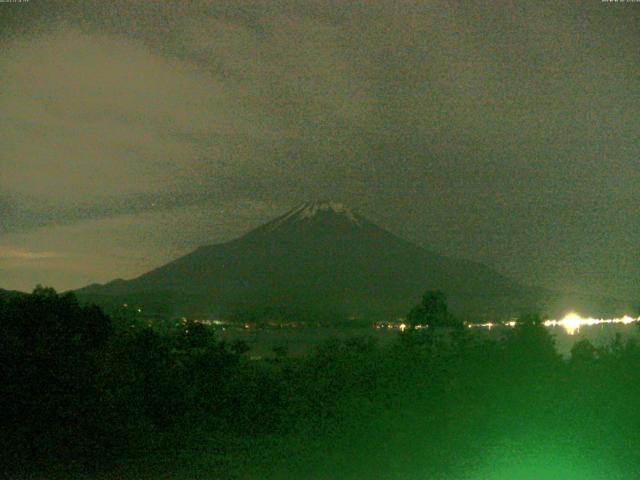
[{"x": 302, "y": 340}]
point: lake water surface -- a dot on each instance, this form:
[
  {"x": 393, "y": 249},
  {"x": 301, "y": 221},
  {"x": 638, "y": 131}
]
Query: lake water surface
[{"x": 301, "y": 341}]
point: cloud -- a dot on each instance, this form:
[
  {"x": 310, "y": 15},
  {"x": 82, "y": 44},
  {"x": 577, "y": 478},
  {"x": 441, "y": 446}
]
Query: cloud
[
  {"x": 505, "y": 133},
  {"x": 124, "y": 245},
  {"x": 14, "y": 253},
  {"x": 86, "y": 116}
]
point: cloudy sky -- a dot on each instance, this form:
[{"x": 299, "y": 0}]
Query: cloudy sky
[{"x": 134, "y": 131}]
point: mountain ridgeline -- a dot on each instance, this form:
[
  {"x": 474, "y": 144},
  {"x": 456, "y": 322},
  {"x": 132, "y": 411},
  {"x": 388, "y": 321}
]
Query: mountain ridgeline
[
  {"x": 8, "y": 294},
  {"x": 318, "y": 261}
]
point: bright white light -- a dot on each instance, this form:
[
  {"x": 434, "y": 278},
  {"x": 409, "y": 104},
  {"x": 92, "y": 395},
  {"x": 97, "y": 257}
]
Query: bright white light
[
  {"x": 572, "y": 322},
  {"x": 627, "y": 320},
  {"x": 488, "y": 325}
]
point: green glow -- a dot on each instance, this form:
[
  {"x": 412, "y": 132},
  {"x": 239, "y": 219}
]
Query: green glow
[{"x": 533, "y": 460}]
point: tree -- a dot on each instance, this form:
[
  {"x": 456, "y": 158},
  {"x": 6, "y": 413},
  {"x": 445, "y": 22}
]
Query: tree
[
  {"x": 583, "y": 354},
  {"x": 432, "y": 311},
  {"x": 530, "y": 346},
  {"x": 50, "y": 347}
]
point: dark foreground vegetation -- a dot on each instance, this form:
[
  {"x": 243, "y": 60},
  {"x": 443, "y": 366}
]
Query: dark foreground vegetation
[{"x": 86, "y": 396}]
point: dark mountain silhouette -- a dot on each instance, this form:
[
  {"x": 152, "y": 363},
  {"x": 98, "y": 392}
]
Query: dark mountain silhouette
[
  {"x": 7, "y": 294},
  {"x": 318, "y": 260}
]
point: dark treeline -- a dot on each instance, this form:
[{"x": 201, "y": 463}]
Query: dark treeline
[{"x": 84, "y": 394}]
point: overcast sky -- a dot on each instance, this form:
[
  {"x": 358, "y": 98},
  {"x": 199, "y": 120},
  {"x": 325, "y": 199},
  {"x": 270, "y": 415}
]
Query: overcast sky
[{"x": 132, "y": 132}]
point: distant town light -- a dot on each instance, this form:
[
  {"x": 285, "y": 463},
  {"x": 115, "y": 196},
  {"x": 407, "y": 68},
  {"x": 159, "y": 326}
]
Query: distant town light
[{"x": 572, "y": 322}]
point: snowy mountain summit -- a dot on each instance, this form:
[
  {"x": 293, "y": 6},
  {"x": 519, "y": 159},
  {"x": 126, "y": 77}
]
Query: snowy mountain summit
[
  {"x": 311, "y": 209},
  {"x": 316, "y": 210}
]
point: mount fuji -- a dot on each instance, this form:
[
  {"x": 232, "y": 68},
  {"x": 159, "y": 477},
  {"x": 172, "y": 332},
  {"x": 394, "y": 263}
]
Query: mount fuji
[{"x": 319, "y": 260}]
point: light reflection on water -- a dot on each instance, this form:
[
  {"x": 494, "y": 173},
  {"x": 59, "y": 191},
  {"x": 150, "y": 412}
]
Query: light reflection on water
[
  {"x": 573, "y": 328},
  {"x": 572, "y": 322},
  {"x": 300, "y": 341},
  {"x": 599, "y": 335}
]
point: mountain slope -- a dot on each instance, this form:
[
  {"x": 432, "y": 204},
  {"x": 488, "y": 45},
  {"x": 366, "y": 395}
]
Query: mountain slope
[
  {"x": 320, "y": 258},
  {"x": 7, "y": 294}
]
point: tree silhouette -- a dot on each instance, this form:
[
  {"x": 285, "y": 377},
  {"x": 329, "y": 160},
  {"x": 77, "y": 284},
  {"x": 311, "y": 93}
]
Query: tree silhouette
[
  {"x": 49, "y": 349},
  {"x": 432, "y": 311}
]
